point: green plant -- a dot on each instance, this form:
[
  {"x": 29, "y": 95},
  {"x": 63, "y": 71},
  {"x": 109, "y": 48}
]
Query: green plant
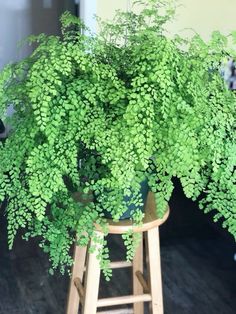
[{"x": 100, "y": 114}]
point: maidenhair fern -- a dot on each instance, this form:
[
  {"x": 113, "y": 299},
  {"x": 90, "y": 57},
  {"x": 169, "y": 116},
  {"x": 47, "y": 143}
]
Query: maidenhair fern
[{"x": 100, "y": 114}]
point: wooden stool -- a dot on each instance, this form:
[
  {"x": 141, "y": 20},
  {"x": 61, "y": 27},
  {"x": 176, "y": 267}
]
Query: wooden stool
[{"x": 143, "y": 291}]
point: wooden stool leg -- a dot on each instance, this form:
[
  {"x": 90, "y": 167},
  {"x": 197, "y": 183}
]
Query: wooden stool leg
[
  {"x": 137, "y": 287},
  {"x": 92, "y": 280},
  {"x": 77, "y": 272},
  {"x": 155, "y": 270},
  {"x": 148, "y": 266}
]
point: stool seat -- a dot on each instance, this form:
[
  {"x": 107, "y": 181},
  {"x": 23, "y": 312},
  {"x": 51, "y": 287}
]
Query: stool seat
[
  {"x": 84, "y": 284},
  {"x": 150, "y": 219}
]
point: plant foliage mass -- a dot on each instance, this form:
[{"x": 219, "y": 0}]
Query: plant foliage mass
[{"x": 99, "y": 114}]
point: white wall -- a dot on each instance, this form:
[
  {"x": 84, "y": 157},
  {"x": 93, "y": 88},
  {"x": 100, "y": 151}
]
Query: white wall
[
  {"x": 20, "y": 18},
  {"x": 204, "y": 16},
  {"x": 88, "y": 10}
]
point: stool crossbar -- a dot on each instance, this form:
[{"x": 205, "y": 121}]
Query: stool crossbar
[{"x": 86, "y": 269}]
